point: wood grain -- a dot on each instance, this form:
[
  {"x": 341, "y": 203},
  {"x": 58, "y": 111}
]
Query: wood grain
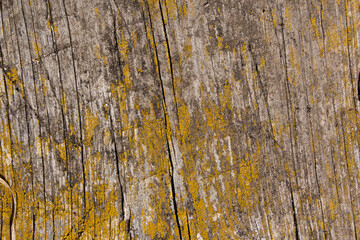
[{"x": 180, "y": 119}]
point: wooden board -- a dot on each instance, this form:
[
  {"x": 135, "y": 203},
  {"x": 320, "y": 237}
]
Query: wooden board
[{"x": 180, "y": 119}]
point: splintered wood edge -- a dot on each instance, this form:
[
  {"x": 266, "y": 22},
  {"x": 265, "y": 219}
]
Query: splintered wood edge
[{"x": 4, "y": 182}]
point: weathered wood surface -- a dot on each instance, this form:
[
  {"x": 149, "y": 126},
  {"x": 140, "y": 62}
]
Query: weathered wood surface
[{"x": 180, "y": 119}]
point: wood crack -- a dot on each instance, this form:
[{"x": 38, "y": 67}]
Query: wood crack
[
  {"x": 167, "y": 128},
  {"x": 288, "y": 104},
  {"x": 78, "y": 109}
]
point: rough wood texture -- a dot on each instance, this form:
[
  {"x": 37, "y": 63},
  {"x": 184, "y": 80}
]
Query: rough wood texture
[{"x": 180, "y": 119}]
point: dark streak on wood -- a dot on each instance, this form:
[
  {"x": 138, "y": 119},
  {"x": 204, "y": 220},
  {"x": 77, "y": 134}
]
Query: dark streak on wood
[
  {"x": 289, "y": 111},
  {"x": 167, "y": 125},
  {"x": 84, "y": 208}
]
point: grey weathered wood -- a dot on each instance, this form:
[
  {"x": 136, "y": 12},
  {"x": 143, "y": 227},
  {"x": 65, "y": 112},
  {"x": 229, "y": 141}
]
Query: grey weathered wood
[{"x": 180, "y": 119}]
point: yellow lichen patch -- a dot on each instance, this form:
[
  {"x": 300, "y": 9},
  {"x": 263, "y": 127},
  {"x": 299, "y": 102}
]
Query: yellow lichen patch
[
  {"x": 107, "y": 136},
  {"x": 171, "y": 9},
  {"x": 154, "y": 228},
  {"x": 63, "y": 102},
  {"x": 294, "y": 62},
  {"x": 36, "y": 46},
  {"x": 38, "y": 144},
  {"x": 97, "y": 12},
  {"x": 6, "y": 143},
  {"x": 187, "y": 50},
  {"x": 225, "y": 98},
  {"x": 6, "y": 201},
  {"x": 119, "y": 93},
  {"x": 152, "y": 138},
  {"x": 123, "y": 45},
  {"x": 184, "y": 10},
  {"x": 332, "y": 207},
  {"x": 184, "y": 120},
  {"x": 46, "y": 146},
  {"x": 274, "y": 18},
  {"x": 99, "y": 56},
  {"x": 288, "y": 18},
  {"x": 262, "y": 63},
  {"x": 201, "y": 219},
  {"x": 153, "y": 46},
  {"x": 44, "y": 85},
  {"x": 267, "y": 38},
  {"x": 244, "y": 54},
  {"x": 91, "y": 122},
  {"x": 102, "y": 213},
  {"x": 220, "y": 42},
  {"x": 153, "y": 8},
  {"x": 72, "y": 130},
  {"x": 214, "y": 117},
  {"x": 207, "y": 54},
  {"x": 317, "y": 35},
  {"x": 56, "y": 30},
  {"x": 62, "y": 151},
  {"x": 158, "y": 205},
  {"x": 13, "y": 81},
  {"x": 52, "y": 26},
  {"x": 349, "y": 30},
  {"x": 24, "y": 205},
  {"x": 134, "y": 38}
]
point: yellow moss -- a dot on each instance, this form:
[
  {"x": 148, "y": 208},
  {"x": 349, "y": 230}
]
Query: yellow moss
[
  {"x": 225, "y": 98},
  {"x": 234, "y": 53},
  {"x": 53, "y": 26},
  {"x": 184, "y": 120},
  {"x": 46, "y": 146},
  {"x": 185, "y": 10},
  {"x": 62, "y": 151},
  {"x": 153, "y": 218},
  {"x": 97, "y": 12},
  {"x": 220, "y": 42},
  {"x": 91, "y": 122},
  {"x": 38, "y": 145},
  {"x": 172, "y": 9},
  {"x": 134, "y": 37},
  {"x": 44, "y": 87},
  {"x": 295, "y": 65},
  {"x": 288, "y": 17},
  {"x": 187, "y": 50},
  {"x": 13, "y": 81},
  {"x": 332, "y": 207},
  {"x": 157, "y": 229},
  {"x": 36, "y": 46},
  {"x": 119, "y": 93},
  {"x": 244, "y": 52},
  {"x": 99, "y": 56},
  {"x": 333, "y": 38},
  {"x": 201, "y": 220},
  {"x": 72, "y": 130},
  {"x": 153, "y": 136},
  {"x": 123, "y": 45},
  {"x": 6, "y": 211},
  {"x": 273, "y": 15},
  {"x": 63, "y": 102},
  {"x": 206, "y": 53}
]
